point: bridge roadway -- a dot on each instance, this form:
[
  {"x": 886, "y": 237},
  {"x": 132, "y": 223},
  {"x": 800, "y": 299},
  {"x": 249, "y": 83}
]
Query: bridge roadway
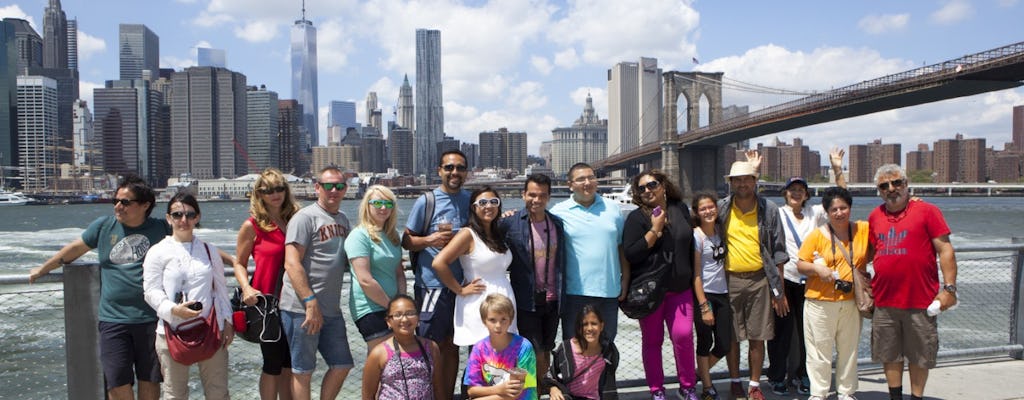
[{"x": 702, "y": 148}]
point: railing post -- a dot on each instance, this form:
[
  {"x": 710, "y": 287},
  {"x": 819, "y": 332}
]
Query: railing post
[
  {"x": 81, "y": 303},
  {"x": 1017, "y": 309}
]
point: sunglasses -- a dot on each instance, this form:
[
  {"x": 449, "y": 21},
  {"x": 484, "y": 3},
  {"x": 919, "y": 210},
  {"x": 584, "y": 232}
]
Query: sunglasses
[
  {"x": 187, "y": 214},
  {"x": 491, "y": 202},
  {"x": 650, "y": 186},
  {"x": 329, "y": 186},
  {"x": 125, "y": 202},
  {"x": 272, "y": 190},
  {"x": 894, "y": 184},
  {"x": 405, "y": 315},
  {"x": 453, "y": 167},
  {"x": 388, "y": 204}
]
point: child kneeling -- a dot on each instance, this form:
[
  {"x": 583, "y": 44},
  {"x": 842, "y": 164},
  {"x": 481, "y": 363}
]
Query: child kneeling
[{"x": 503, "y": 365}]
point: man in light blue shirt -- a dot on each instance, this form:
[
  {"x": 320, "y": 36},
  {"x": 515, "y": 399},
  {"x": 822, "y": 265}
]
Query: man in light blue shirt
[{"x": 595, "y": 270}]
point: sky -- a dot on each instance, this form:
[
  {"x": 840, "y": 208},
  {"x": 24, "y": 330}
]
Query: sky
[{"x": 529, "y": 65}]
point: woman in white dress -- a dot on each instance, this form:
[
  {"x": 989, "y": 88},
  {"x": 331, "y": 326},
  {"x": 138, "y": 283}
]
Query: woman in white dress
[{"x": 485, "y": 259}]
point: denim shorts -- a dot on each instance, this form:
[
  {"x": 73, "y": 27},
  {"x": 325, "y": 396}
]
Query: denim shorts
[{"x": 331, "y": 342}]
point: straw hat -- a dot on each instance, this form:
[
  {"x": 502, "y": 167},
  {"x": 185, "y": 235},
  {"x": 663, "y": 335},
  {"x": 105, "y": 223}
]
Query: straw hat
[{"x": 741, "y": 168}]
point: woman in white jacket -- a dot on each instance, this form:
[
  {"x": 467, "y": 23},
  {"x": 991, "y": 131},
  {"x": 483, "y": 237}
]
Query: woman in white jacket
[{"x": 182, "y": 281}]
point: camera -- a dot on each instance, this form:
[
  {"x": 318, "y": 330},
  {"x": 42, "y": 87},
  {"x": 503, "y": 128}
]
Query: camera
[
  {"x": 844, "y": 286},
  {"x": 195, "y": 306}
]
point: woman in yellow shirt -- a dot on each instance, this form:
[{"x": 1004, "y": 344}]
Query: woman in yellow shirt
[{"x": 831, "y": 320}]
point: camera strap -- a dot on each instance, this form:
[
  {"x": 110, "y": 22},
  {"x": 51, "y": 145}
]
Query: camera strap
[{"x": 843, "y": 250}]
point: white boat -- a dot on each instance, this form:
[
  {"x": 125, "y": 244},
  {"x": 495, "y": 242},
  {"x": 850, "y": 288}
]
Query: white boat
[
  {"x": 622, "y": 197},
  {"x": 14, "y": 198}
]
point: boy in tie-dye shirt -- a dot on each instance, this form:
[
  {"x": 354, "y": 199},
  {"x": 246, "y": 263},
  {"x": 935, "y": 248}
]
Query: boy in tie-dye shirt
[{"x": 491, "y": 368}]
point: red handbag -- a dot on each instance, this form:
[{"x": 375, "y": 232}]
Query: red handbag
[{"x": 194, "y": 340}]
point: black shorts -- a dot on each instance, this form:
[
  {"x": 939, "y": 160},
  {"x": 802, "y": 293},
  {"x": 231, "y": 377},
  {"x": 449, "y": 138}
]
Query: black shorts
[
  {"x": 127, "y": 352},
  {"x": 373, "y": 325},
  {"x": 437, "y": 313},
  {"x": 540, "y": 326},
  {"x": 276, "y": 356}
]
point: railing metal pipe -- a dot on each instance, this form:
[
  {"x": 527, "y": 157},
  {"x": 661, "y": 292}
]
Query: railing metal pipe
[
  {"x": 81, "y": 300},
  {"x": 1017, "y": 309}
]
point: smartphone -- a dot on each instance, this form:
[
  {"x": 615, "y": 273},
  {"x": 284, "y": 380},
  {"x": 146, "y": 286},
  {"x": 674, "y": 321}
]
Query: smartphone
[
  {"x": 657, "y": 211},
  {"x": 196, "y": 306}
]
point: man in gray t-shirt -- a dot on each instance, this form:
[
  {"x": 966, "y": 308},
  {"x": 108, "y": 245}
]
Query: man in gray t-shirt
[{"x": 311, "y": 294}]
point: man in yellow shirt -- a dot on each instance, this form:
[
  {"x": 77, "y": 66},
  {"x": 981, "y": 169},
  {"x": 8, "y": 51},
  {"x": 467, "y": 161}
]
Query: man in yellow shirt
[{"x": 755, "y": 254}]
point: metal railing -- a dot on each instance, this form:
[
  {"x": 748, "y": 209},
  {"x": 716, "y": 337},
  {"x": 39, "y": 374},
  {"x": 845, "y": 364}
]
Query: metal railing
[{"x": 50, "y": 348}]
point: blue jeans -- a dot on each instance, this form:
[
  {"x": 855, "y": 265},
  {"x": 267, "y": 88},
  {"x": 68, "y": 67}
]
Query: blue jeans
[
  {"x": 607, "y": 307},
  {"x": 331, "y": 341}
]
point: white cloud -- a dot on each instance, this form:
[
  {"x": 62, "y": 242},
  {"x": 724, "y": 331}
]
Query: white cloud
[
  {"x": 664, "y": 29},
  {"x": 212, "y": 20},
  {"x": 85, "y": 89},
  {"x": 334, "y": 44},
  {"x": 527, "y": 96},
  {"x": 567, "y": 58},
  {"x": 953, "y": 11},
  {"x": 879, "y": 24},
  {"x": 89, "y": 45},
  {"x": 541, "y": 64},
  {"x": 14, "y": 11},
  {"x": 178, "y": 63},
  {"x": 257, "y": 31}
]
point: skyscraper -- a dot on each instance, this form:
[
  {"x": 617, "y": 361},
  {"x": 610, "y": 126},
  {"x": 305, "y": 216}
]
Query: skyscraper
[
  {"x": 429, "y": 107},
  {"x": 8, "y": 97},
  {"x": 208, "y": 123},
  {"x": 343, "y": 114},
  {"x": 400, "y": 145},
  {"x": 206, "y": 57},
  {"x": 37, "y": 130},
  {"x": 28, "y": 43},
  {"x": 304, "y": 85},
  {"x": 139, "y": 50},
  {"x": 84, "y": 140},
  {"x": 73, "y": 44},
  {"x": 55, "y": 36},
  {"x": 503, "y": 149},
  {"x": 262, "y": 133},
  {"x": 585, "y": 141},
  {"x": 291, "y": 155},
  {"x": 125, "y": 121},
  {"x": 634, "y": 104},
  {"x": 373, "y": 114},
  {"x": 1018, "y": 128},
  {"x": 405, "y": 118}
]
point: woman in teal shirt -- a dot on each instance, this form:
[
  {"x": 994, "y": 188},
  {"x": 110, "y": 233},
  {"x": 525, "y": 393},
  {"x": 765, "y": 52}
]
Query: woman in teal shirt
[{"x": 375, "y": 261}]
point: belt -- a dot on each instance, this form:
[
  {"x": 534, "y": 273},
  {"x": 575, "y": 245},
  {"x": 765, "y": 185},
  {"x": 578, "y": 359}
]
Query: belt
[{"x": 751, "y": 274}]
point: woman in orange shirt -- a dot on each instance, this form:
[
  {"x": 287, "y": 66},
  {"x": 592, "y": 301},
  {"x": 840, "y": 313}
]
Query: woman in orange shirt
[{"x": 831, "y": 319}]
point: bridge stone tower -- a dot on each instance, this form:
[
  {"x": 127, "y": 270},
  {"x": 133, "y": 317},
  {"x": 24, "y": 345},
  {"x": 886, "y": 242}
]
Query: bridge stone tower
[{"x": 698, "y": 166}]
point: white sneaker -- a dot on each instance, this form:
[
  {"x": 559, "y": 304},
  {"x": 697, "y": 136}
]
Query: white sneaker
[
  {"x": 846, "y": 397},
  {"x": 816, "y": 398}
]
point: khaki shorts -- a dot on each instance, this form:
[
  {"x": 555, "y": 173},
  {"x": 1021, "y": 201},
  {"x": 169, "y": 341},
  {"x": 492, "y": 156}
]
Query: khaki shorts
[
  {"x": 751, "y": 303},
  {"x": 898, "y": 334}
]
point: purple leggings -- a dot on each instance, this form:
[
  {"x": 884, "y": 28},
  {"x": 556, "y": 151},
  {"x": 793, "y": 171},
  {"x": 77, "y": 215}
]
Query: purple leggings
[{"x": 676, "y": 311}]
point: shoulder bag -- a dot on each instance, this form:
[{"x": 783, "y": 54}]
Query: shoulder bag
[
  {"x": 862, "y": 293},
  {"x": 196, "y": 339},
  {"x": 258, "y": 323}
]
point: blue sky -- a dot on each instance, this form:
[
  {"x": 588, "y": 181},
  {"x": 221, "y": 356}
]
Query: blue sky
[{"x": 528, "y": 65}]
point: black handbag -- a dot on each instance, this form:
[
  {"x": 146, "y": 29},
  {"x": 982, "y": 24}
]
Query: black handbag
[
  {"x": 645, "y": 294},
  {"x": 261, "y": 321}
]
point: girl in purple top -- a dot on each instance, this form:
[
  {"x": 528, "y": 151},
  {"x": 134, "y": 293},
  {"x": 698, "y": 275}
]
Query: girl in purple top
[{"x": 403, "y": 366}]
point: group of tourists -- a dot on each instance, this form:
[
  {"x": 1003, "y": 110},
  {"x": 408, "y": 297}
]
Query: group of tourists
[{"x": 725, "y": 270}]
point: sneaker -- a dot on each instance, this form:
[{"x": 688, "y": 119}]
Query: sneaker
[
  {"x": 846, "y": 397},
  {"x": 688, "y": 394},
  {"x": 736, "y": 390},
  {"x": 804, "y": 386},
  {"x": 755, "y": 394},
  {"x": 815, "y": 398},
  {"x": 659, "y": 395},
  {"x": 709, "y": 395},
  {"x": 779, "y": 387}
]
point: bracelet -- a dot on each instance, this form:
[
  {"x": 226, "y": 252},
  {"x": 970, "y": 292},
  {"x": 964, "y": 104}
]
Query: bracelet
[
  {"x": 308, "y": 299},
  {"x": 657, "y": 234}
]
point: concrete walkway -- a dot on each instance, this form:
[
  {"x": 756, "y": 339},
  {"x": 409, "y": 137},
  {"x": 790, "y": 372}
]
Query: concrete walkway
[{"x": 998, "y": 378}]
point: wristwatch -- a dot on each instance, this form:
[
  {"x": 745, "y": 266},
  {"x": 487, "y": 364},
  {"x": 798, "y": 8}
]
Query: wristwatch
[{"x": 949, "y": 287}]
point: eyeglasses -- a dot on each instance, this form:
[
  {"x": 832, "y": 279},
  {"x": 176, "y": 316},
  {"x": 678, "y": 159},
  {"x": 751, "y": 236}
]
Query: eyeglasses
[
  {"x": 187, "y": 214},
  {"x": 894, "y": 184},
  {"x": 272, "y": 190},
  {"x": 405, "y": 315},
  {"x": 388, "y": 204},
  {"x": 650, "y": 186},
  {"x": 584, "y": 179},
  {"x": 125, "y": 202},
  {"x": 329, "y": 186},
  {"x": 453, "y": 167},
  {"x": 491, "y": 202}
]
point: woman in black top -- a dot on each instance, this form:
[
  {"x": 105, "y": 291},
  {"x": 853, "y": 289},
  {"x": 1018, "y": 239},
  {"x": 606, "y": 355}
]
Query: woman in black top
[{"x": 658, "y": 242}]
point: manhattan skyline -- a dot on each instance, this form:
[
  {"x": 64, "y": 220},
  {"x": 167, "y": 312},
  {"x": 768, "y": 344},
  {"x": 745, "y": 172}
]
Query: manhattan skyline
[{"x": 529, "y": 67}]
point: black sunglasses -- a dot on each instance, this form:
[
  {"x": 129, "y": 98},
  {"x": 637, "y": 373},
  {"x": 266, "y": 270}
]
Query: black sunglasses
[
  {"x": 272, "y": 190},
  {"x": 329, "y": 186},
  {"x": 453, "y": 167},
  {"x": 895, "y": 184},
  {"x": 125, "y": 202},
  {"x": 187, "y": 214},
  {"x": 650, "y": 186}
]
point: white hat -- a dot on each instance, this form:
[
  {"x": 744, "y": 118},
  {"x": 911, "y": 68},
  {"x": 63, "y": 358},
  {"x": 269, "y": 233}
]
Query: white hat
[{"x": 741, "y": 168}]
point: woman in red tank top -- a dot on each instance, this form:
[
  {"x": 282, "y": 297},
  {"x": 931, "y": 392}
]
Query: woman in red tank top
[{"x": 262, "y": 236}]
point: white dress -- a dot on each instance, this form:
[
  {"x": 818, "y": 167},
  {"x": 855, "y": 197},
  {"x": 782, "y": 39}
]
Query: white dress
[{"x": 492, "y": 269}]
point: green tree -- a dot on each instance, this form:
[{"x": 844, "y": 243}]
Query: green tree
[{"x": 921, "y": 176}]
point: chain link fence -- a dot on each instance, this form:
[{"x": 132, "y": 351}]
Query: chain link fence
[{"x": 33, "y": 358}]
